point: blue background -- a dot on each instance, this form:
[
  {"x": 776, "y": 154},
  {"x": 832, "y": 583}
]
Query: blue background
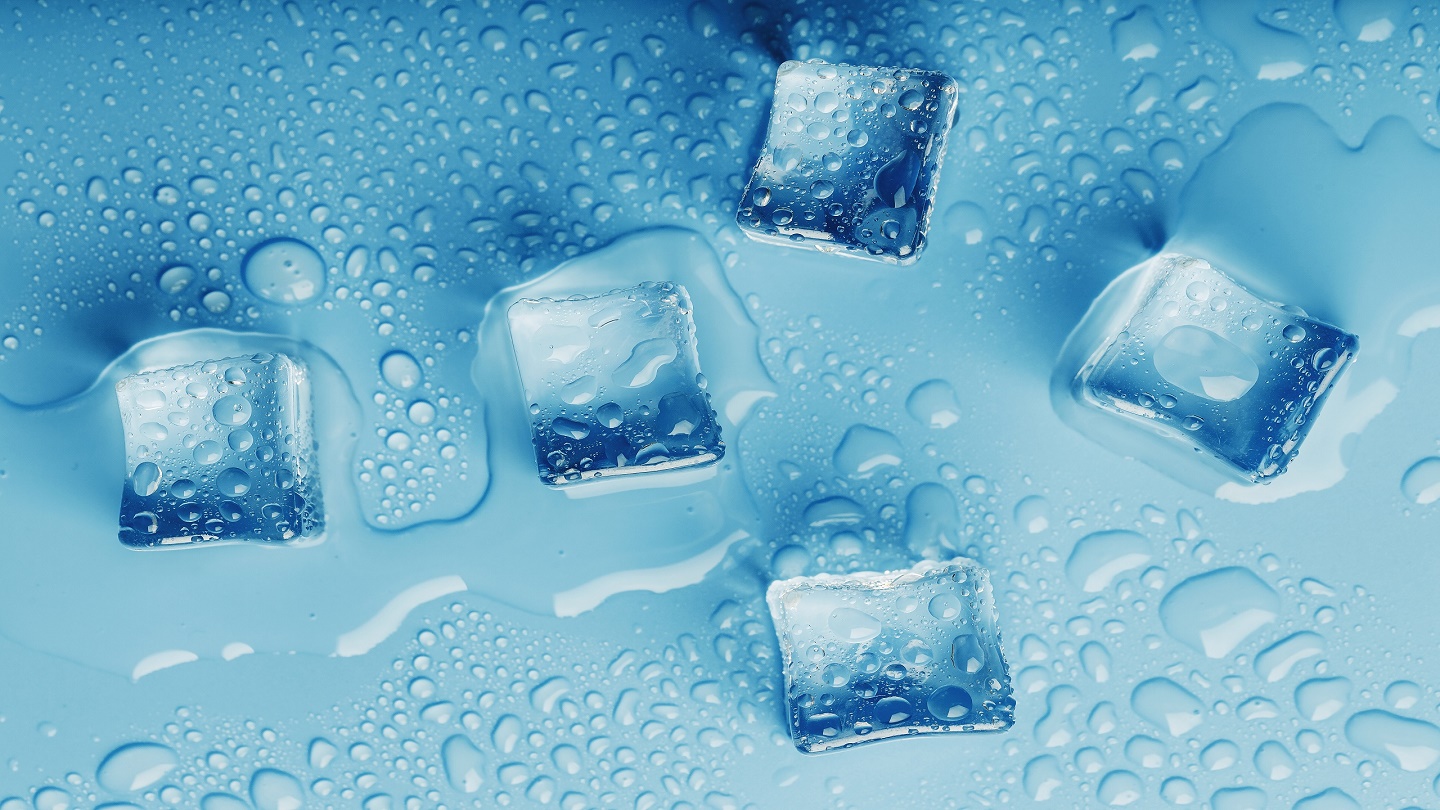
[{"x": 437, "y": 154}]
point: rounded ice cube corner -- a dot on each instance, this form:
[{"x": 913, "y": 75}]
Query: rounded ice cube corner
[
  {"x": 851, "y": 160},
  {"x": 219, "y": 451},
  {"x": 870, "y": 656},
  {"x": 1197, "y": 359},
  {"x": 612, "y": 384}
]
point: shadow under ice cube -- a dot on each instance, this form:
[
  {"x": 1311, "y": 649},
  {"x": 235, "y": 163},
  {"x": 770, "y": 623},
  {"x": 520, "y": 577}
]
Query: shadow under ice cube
[
  {"x": 851, "y": 159},
  {"x": 874, "y": 655},
  {"x": 219, "y": 451},
  {"x": 613, "y": 383},
  {"x": 1204, "y": 361}
]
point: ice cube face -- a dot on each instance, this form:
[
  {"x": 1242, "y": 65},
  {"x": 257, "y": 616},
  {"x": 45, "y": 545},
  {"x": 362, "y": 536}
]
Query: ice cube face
[
  {"x": 850, "y": 160},
  {"x": 219, "y": 451},
  {"x": 613, "y": 383},
  {"x": 874, "y": 655},
  {"x": 1206, "y": 362}
]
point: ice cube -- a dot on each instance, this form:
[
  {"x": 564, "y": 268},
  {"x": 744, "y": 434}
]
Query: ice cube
[
  {"x": 874, "y": 655},
  {"x": 613, "y": 383},
  {"x": 850, "y": 160},
  {"x": 220, "y": 450},
  {"x": 1206, "y": 362}
]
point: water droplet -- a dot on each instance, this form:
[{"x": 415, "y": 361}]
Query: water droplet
[
  {"x": 1214, "y": 612},
  {"x": 892, "y": 710},
  {"x": 146, "y": 479},
  {"x": 1407, "y": 743},
  {"x": 1421, "y": 483},
  {"x": 174, "y": 279},
  {"x": 135, "y": 767},
  {"x": 421, "y": 412},
  {"x": 1276, "y": 661},
  {"x": 400, "y": 370},
  {"x": 865, "y": 451},
  {"x": 933, "y": 403},
  {"x": 1033, "y": 513},
  {"x": 949, "y": 703},
  {"x": 150, "y": 399},
  {"x": 464, "y": 764},
  {"x": 1120, "y": 788},
  {"x": 216, "y": 301},
  {"x": 272, "y": 789},
  {"x": 233, "y": 482},
  {"x": 284, "y": 271},
  {"x": 208, "y": 452},
  {"x": 232, "y": 410},
  {"x": 1168, "y": 705},
  {"x": 1099, "y": 558}
]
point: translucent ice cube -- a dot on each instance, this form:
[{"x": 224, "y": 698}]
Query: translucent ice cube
[
  {"x": 1204, "y": 361},
  {"x": 219, "y": 451},
  {"x": 850, "y": 160},
  {"x": 874, "y": 655},
  {"x": 613, "y": 383}
]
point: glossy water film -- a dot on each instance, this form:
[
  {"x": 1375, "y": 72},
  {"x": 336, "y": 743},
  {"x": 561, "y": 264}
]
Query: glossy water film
[
  {"x": 869, "y": 656},
  {"x": 1206, "y": 362},
  {"x": 219, "y": 450},
  {"x": 851, "y": 159},
  {"x": 613, "y": 383}
]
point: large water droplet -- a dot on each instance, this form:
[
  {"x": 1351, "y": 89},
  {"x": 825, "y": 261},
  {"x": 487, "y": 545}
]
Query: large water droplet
[
  {"x": 1421, "y": 483},
  {"x": 284, "y": 271},
  {"x": 949, "y": 703},
  {"x": 1216, "y": 611},
  {"x": 272, "y": 789},
  {"x": 1276, "y": 661},
  {"x": 1168, "y": 705},
  {"x": 464, "y": 764},
  {"x": 232, "y": 410},
  {"x": 146, "y": 479},
  {"x": 892, "y": 710},
  {"x": 865, "y": 451},
  {"x": 174, "y": 279},
  {"x": 1033, "y": 513},
  {"x": 1407, "y": 743},
  {"x": 400, "y": 370},
  {"x": 1120, "y": 788},
  {"x": 135, "y": 767},
  {"x": 233, "y": 482},
  {"x": 1099, "y": 558},
  {"x": 933, "y": 404}
]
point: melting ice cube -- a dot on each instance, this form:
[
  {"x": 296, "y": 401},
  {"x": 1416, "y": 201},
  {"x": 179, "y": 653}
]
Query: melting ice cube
[
  {"x": 1207, "y": 363},
  {"x": 613, "y": 383},
  {"x": 220, "y": 450},
  {"x": 874, "y": 655},
  {"x": 850, "y": 160}
]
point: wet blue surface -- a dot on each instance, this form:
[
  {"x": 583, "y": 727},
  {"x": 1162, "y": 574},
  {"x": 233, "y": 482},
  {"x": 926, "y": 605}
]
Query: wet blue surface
[{"x": 368, "y": 188}]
